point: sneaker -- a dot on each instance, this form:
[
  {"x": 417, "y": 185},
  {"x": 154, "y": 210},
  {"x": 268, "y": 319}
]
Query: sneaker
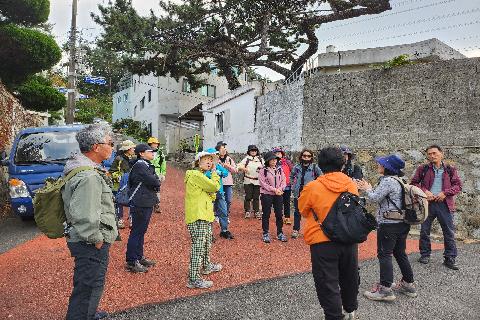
[
  {"x": 287, "y": 221},
  {"x": 282, "y": 237},
  {"x": 266, "y": 238},
  {"x": 212, "y": 267},
  {"x": 247, "y": 215},
  {"x": 199, "y": 284},
  {"x": 121, "y": 224},
  {"x": 424, "y": 259},
  {"x": 258, "y": 215},
  {"x": 227, "y": 235},
  {"x": 380, "y": 293},
  {"x": 147, "y": 263},
  {"x": 157, "y": 209},
  {"x": 217, "y": 219},
  {"x": 450, "y": 263},
  {"x": 136, "y": 267},
  {"x": 349, "y": 315},
  {"x": 406, "y": 288},
  {"x": 295, "y": 234},
  {"x": 129, "y": 224}
]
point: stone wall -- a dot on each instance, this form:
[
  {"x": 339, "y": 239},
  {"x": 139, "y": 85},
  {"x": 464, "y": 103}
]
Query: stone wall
[{"x": 279, "y": 118}]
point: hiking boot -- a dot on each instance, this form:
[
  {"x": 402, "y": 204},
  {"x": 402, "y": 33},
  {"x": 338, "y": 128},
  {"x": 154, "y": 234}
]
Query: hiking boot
[
  {"x": 266, "y": 238},
  {"x": 247, "y": 215},
  {"x": 100, "y": 314},
  {"x": 380, "y": 293},
  {"x": 258, "y": 215},
  {"x": 424, "y": 259},
  {"x": 212, "y": 267},
  {"x": 282, "y": 237},
  {"x": 406, "y": 288},
  {"x": 349, "y": 315},
  {"x": 227, "y": 235},
  {"x": 136, "y": 267},
  {"x": 287, "y": 221},
  {"x": 147, "y": 263},
  {"x": 199, "y": 284},
  {"x": 295, "y": 234},
  {"x": 450, "y": 263},
  {"x": 121, "y": 224}
]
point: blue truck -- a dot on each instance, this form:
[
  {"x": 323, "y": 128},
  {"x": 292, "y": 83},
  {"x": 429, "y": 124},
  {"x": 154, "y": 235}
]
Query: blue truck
[{"x": 36, "y": 155}]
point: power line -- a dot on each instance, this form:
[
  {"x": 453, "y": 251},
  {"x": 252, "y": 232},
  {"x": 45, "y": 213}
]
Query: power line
[
  {"x": 455, "y": 26},
  {"x": 410, "y": 23},
  {"x": 392, "y": 14}
]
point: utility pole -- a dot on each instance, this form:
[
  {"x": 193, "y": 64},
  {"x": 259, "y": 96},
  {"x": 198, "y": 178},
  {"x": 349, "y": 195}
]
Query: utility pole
[{"x": 72, "y": 88}]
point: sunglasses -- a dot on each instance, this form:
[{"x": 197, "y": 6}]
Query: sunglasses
[
  {"x": 306, "y": 156},
  {"x": 111, "y": 144}
]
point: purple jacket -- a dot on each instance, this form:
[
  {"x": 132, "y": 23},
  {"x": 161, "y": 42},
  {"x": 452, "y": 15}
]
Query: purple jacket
[
  {"x": 450, "y": 187},
  {"x": 271, "y": 179}
]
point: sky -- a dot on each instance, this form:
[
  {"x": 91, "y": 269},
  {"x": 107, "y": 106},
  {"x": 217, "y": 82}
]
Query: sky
[{"x": 455, "y": 22}]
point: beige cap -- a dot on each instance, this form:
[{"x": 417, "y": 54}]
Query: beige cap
[{"x": 127, "y": 144}]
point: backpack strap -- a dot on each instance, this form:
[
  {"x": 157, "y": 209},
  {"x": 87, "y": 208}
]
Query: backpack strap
[
  {"x": 448, "y": 168},
  {"x": 73, "y": 172},
  {"x": 402, "y": 196}
]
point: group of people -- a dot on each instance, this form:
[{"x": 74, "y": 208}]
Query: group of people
[{"x": 270, "y": 180}]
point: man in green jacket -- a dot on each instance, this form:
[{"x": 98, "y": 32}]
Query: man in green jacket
[
  {"x": 91, "y": 225},
  {"x": 160, "y": 163}
]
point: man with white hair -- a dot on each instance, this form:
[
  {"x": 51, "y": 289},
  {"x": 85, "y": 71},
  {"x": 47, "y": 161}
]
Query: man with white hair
[{"x": 91, "y": 226}]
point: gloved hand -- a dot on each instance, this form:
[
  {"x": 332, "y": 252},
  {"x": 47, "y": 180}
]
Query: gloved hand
[{"x": 161, "y": 177}]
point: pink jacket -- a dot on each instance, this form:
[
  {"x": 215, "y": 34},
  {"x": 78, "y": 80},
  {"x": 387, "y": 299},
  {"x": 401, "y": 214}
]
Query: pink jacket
[
  {"x": 271, "y": 179},
  {"x": 230, "y": 165}
]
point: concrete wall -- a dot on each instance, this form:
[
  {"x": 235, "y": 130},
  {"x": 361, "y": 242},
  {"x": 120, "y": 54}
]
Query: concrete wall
[{"x": 280, "y": 118}]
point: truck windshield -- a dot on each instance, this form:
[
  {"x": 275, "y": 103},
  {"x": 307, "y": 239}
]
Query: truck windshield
[{"x": 46, "y": 147}]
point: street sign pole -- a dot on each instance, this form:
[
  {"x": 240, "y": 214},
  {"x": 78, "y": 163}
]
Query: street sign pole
[{"x": 70, "y": 112}]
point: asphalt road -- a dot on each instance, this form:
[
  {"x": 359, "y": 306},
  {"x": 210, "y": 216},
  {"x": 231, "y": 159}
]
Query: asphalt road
[
  {"x": 443, "y": 295},
  {"x": 14, "y": 231}
]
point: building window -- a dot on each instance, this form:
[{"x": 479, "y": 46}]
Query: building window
[
  {"x": 125, "y": 97},
  {"x": 142, "y": 103},
  {"x": 149, "y": 95},
  {"x": 135, "y": 85},
  {"x": 219, "y": 122},
  {"x": 135, "y": 111},
  {"x": 208, "y": 91},
  {"x": 186, "y": 86},
  {"x": 149, "y": 128},
  {"x": 119, "y": 99}
]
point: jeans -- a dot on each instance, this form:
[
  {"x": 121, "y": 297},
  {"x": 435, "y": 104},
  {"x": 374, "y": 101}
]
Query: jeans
[
  {"x": 88, "y": 279},
  {"x": 228, "y": 190},
  {"x": 221, "y": 211},
  {"x": 392, "y": 239},
  {"x": 297, "y": 217},
  {"x": 252, "y": 193},
  {"x": 440, "y": 211},
  {"x": 286, "y": 202},
  {"x": 268, "y": 201},
  {"x": 140, "y": 220},
  {"x": 335, "y": 273}
]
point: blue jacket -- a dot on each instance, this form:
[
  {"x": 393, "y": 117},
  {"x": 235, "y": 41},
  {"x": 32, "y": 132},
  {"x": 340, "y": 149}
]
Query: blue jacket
[
  {"x": 312, "y": 172},
  {"x": 222, "y": 172}
]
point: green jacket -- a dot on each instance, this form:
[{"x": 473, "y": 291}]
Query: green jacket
[
  {"x": 88, "y": 202},
  {"x": 160, "y": 163},
  {"x": 199, "y": 196}
]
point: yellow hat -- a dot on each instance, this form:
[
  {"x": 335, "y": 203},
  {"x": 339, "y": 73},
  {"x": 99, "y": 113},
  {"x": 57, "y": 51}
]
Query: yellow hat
[{"x": 153, "y": 140}]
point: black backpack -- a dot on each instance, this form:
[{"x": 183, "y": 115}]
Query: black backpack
[{"x": 347, "y": 221}]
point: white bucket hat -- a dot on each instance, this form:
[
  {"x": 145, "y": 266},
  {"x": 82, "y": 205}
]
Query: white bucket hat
[
  {"x": 127, "y": 144},
  {"x": 202, "y": 154}
]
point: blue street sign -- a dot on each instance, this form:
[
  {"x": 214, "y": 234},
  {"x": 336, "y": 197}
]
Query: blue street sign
[{"x": 95, "y": 80}]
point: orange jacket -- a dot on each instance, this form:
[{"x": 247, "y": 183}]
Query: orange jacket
[{"x": 320, "y": 195}]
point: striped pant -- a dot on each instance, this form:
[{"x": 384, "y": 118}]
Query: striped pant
[{"x": 201, "y": 234}]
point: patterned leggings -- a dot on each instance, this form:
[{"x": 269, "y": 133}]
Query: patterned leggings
[{"x": 201, "y": 234}]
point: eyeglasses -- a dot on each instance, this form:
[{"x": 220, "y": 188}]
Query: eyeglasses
[
  {"x": 306, "y": 156},
  {"x": 111, "y": 144}
]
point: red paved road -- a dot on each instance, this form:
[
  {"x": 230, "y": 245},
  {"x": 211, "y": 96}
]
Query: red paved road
[{"x": 35, "y": 278}]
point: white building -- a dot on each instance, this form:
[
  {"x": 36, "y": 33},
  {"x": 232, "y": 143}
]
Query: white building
[
  {"x": 159, "y": 101},
  {"x": 231, "y": 117}
]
